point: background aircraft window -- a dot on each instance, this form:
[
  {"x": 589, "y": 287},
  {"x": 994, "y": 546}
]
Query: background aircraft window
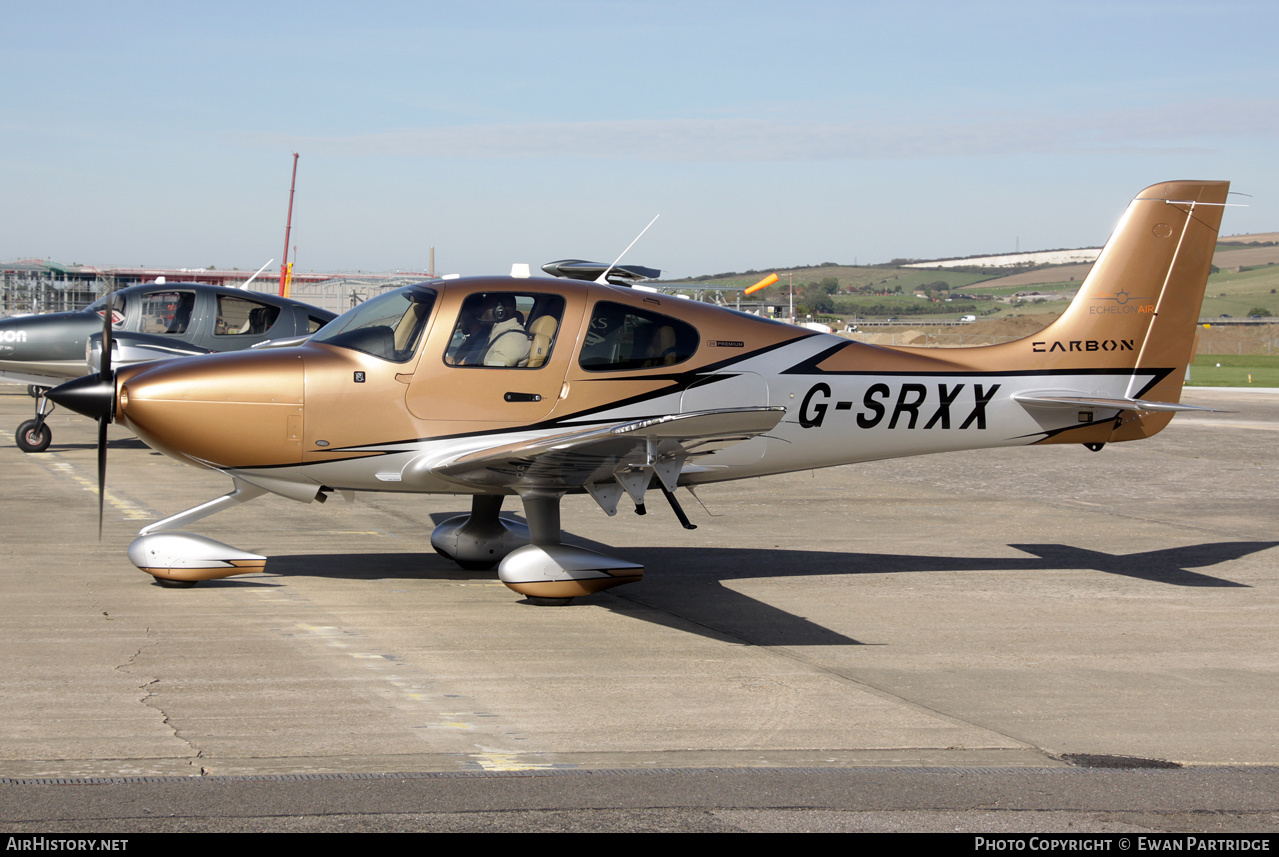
[
  {"x": 240, "y": 316},
  {"x": 623, "y": 337},
  {"x": 167, "y": 312},
  {"x": 505, "y": 329},
  {"x": 389, "y": 326}
]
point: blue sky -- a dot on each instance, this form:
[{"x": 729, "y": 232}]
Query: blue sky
[{"x": 765, "y": 134}]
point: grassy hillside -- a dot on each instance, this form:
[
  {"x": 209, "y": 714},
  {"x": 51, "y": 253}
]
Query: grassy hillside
[{"x": 1247, "y": 279}]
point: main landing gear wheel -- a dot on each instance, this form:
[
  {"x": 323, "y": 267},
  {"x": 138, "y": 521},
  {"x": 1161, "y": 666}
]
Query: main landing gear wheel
[
  {"x": 549, "y": 573},
  {"x": 480, "y": 540},
  {"x": 539, "y": 601},
  {"x": 168, "y": 583},
  {"x": 471, "y": 565},
  {"x": 33, "y": 436}
]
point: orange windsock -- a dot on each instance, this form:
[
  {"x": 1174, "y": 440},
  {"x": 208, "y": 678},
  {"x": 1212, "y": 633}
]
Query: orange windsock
[{"x": 762, "y": 284}]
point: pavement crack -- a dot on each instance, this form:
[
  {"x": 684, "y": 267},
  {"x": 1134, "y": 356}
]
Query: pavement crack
[{"x": 150, "y": 697}]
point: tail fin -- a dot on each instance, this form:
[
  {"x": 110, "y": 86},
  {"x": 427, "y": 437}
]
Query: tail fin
[
  {"x": 1139, "y": 305},
  {"x": 1142, "y": 298}
]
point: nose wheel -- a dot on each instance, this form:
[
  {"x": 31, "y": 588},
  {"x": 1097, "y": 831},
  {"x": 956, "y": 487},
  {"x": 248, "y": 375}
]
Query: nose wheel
[{"x": 33, "y": 435}]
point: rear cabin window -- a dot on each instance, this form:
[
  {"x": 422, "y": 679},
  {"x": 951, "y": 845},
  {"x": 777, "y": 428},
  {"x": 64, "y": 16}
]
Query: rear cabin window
[
  {"x": 241, "y": 317},
  {"x": 623, "y": 337},
  {"x": 505, "y": 330}
]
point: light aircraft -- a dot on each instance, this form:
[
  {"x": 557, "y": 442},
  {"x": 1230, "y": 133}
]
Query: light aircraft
[
  {"x": 155, "y": 321},
  {"x": 500, "y": 386}
]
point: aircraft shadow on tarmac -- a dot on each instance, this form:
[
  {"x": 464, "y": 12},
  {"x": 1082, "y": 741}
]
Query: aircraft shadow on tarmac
[
  {"x": 117, "y": 443},
  {"x": 683, "y": 589}
]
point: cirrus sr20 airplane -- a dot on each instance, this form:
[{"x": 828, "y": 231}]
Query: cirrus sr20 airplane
[{"x": 537, "y": 388}]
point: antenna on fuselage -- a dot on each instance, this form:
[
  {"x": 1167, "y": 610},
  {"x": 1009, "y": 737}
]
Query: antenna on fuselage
[
  {"x": 603, "y": 278},
  {"x": 255, "y": 276}
]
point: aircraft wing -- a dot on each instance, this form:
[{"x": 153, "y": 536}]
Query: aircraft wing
[{"x": 605, "y": 460}]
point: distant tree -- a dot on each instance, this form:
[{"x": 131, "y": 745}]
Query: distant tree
[{"x": 1260, "y": 312}]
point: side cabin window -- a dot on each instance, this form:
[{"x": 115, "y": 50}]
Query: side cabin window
[
  {"x": 167, "y": 312},
  {"x": 389, "y": 326},
  {"x": 624, "y": 337},
  {"x": 505, "y": 329},
  {"x": 240, "y": 316}
]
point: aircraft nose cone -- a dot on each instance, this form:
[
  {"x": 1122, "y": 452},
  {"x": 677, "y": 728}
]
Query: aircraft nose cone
[{"x": 90, "y": 396}]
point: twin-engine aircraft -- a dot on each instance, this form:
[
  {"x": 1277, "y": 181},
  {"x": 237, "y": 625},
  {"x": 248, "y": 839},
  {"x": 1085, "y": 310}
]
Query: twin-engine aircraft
[
  {"x": 537, "y": 388},
  {"x": 156, "y": 321}
]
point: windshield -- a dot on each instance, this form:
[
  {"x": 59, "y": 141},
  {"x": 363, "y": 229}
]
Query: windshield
[
  {"x": 389, "y": 326},
  {"x": 117, "y": 309}
]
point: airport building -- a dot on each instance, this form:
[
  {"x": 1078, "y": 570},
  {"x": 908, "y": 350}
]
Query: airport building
[{"x": 42, "y": 286}]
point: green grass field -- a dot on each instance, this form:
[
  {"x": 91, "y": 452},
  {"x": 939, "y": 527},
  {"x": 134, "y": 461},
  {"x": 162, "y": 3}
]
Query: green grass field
[{"x": 1234, "y": 370}]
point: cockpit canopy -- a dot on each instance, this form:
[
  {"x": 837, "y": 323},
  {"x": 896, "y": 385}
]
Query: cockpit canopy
[
  {"x": 514, "y": 327},
  {"x": 388, "y": 326}
]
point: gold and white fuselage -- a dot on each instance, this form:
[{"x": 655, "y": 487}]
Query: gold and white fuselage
[{"x": 615, "y": 391}]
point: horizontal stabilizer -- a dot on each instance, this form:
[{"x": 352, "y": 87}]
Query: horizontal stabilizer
[{"x": 1066, "y": 401}]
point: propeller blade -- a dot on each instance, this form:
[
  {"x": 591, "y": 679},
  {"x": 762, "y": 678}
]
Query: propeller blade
[
  {"x": 108, "y": 377},
  {"x": 102, "y": 468},
  {"x": 93, "y": 397},
  {"x": 104, "y": 370}
]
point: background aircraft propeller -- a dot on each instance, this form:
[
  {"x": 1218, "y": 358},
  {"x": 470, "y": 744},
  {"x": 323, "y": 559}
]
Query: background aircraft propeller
[
  {"x": 94, "y": 396},
  {"x": 104, "y": 419}
]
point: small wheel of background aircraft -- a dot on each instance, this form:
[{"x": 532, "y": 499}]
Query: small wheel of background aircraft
[
  {"x": 33, "y": 436},
  {"x": 157, "y": 321},
  {"x": 535, "y": 388}
]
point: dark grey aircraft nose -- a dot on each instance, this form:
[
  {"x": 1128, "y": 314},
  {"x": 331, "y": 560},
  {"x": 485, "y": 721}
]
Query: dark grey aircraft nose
[{"x": 89, "y": 395}]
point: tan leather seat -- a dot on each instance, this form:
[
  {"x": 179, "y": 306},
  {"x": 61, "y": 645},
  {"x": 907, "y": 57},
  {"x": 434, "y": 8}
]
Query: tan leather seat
[
  {"x": 661, "y": 350},
  {"x": 543, "y": 332}
]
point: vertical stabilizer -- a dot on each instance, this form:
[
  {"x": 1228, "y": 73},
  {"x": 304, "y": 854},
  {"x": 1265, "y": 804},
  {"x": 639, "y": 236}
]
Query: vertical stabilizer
[
  {"x": 1135, "y": 314},
  {"x": 1140, "y": 303}
]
